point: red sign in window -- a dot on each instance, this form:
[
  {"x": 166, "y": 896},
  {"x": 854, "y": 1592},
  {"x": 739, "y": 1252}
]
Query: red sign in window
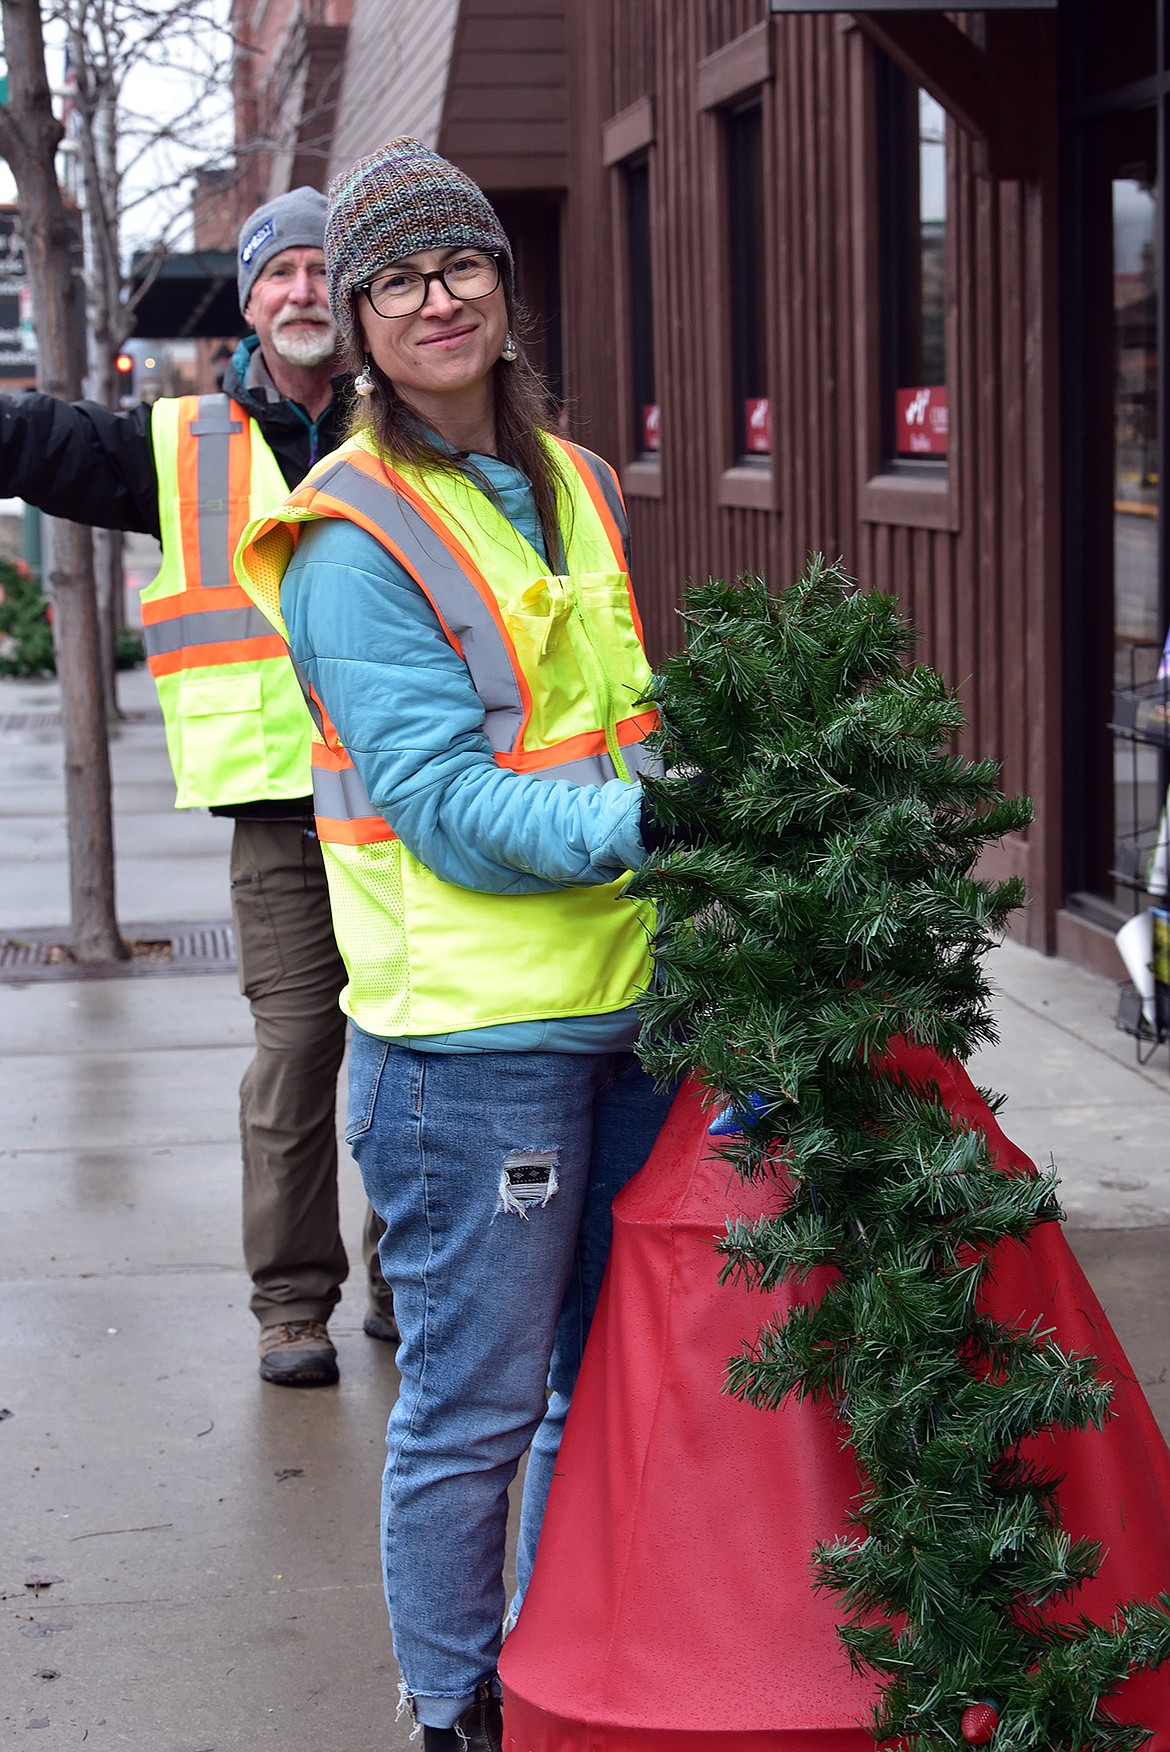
[
  {"x": 757, "y": 425},
  {"x": 651, "y": 427},
  {"x": 921, "y": 422}
]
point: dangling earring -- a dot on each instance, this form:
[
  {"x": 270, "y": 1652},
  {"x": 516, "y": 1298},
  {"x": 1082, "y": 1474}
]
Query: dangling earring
[
  {"x": 363, "y": 383},
  {"x": 510, "y": 351}
]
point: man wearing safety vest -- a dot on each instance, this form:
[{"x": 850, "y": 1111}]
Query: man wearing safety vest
[{"x": 192, "y": 471}]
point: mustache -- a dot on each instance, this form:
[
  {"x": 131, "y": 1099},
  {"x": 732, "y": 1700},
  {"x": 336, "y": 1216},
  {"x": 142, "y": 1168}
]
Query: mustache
[{"x": 319, "y": 319}]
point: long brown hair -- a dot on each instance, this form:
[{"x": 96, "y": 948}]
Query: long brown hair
[{"x": 524, "y": 409}]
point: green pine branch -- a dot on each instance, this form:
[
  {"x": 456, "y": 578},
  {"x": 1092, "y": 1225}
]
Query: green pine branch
[{"x": 824, "y": 902}]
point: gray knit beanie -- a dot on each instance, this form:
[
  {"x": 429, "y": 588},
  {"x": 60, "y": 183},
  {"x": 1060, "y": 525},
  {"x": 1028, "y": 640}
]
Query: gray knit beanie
[
  {"x": 292, "y": 221},
  {"x": 400, "y": 199}
]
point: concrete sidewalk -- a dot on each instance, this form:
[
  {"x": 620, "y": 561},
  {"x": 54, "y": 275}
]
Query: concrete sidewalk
[
  {"x": 192, "y": 1555},
  {"x": 214, "y": 1540}
]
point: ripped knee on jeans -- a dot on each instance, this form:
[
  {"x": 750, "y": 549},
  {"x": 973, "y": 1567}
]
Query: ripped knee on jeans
[{"x": 528, "y": 1178}]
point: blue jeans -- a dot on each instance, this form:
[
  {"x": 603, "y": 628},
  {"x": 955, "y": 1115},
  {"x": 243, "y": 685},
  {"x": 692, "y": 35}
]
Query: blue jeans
[{"x": 494, "y": 1174}]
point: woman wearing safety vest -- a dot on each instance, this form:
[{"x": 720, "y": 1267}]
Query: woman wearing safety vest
[{"x": 453, "y": 583}]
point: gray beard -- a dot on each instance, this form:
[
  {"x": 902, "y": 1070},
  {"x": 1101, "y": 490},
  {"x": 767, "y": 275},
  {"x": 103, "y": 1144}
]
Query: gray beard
[{"x": 314, "y": 349}]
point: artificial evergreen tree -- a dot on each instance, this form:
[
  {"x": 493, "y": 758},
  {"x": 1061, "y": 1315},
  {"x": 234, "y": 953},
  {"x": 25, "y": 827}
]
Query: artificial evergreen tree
[{"x": 819, "y": 905}]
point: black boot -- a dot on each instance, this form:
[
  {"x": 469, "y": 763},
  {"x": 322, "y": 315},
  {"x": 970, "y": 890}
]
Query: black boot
[{"x": 479, "y": 1729}]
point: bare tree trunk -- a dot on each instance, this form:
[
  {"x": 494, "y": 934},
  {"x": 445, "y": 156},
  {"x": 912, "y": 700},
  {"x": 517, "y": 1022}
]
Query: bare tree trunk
[
  {"x": 76, "y": 640},
  {"x": 29, "y": 133}
]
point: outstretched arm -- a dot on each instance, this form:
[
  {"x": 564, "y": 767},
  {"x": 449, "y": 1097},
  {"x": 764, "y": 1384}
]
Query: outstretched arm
[{"x": 80, "y": 461}]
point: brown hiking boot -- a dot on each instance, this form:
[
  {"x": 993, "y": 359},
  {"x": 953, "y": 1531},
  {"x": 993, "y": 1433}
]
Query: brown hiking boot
[{"x": 297, "y": 1353}]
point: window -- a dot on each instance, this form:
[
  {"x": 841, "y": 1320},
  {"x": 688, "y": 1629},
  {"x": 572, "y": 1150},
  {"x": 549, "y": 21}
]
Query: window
[
  {"x": 912, "y": 147},
  {"x": 733, "y": 86},
  {"x": 751, "y": 423},
  {"x": 628, "y": 149},
  {"x": 646, "y": 437}
]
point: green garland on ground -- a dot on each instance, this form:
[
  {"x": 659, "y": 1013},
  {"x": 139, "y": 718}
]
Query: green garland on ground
[{"x": 825, "y": 904}]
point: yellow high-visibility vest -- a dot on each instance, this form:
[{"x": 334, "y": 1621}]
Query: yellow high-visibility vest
[
  {"x": 236, "y": 724},
  {"x": 559, "y": 664}
]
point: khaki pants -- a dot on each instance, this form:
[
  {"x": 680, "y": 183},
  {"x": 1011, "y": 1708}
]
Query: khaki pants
[{"x": 291, "y": 973}]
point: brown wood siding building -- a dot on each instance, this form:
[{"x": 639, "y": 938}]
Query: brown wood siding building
[
  {"x": 484, "y": 82},
  {"x": 571, "y": 115},
  {"x": 506, "y": 118},
  {"x": 974, "y": 561}
]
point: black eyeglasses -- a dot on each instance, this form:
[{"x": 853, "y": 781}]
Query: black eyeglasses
[{"x": 402, "y": 291}]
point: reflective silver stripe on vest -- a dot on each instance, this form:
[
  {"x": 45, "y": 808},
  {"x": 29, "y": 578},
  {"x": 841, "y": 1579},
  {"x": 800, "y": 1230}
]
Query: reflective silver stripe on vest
[
  {"x": 454, "y": 596},
  {"x": 341, "y": 795},
  {"x": 598, "y": 769},
  {"x": 602, "y": 474},
  {"x": 213, "y": 627},
  {"x": 590, "y": 769},
  {"x": 214, "y": 429},
  {"x": 640, "y": 759}
]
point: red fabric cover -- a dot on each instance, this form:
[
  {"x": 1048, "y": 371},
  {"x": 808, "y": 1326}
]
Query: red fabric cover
[{"x": 671, "y": 1603}]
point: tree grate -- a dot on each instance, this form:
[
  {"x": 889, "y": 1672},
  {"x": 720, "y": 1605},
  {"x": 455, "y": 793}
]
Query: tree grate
[
  {"x": 44, "y": 953},
  {"x": 25, "y": 723},
  {"x": 46, "y": 722}
]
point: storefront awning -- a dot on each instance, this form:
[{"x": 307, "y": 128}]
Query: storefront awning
[
  {"x": 986, "y": 84},
  {"x": 186, "y": 297}
]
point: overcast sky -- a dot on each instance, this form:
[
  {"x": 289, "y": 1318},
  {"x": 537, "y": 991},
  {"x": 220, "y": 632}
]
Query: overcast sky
[{"x": 157, "y": 190}]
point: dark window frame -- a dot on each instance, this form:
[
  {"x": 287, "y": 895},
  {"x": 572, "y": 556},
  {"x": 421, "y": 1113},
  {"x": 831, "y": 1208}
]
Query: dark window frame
[
  {"x": 896, "y": 491},
  {"x": 637, "y": 208},
  {"x": 901, "y": 320},
  {"x": 628, "y": 141},
  {"x": 735, "y": 78},
  {"x": 743, "y": 132}
]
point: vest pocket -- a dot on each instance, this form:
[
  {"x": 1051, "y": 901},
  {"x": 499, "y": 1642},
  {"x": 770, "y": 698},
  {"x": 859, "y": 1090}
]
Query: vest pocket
[
  {"x": 538, "y": 625},
  {"x": 576, "y": 644},
  {"x": 222, "y": 752},
  {"x": 202, "y": 696}
]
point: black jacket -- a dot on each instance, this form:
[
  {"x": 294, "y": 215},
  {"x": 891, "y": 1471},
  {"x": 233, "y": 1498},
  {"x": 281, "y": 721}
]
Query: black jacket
[{"x": 82, "y": 461}]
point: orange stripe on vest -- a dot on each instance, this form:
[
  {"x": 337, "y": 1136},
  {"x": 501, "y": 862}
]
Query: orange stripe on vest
[
  {"x": 590, "y": 742},
  {"x": 227, "y": 651},
  {"x": 188, "y": 483},
  {"x": 370, "y": 830},
  {"x": 194, "y": 601}
]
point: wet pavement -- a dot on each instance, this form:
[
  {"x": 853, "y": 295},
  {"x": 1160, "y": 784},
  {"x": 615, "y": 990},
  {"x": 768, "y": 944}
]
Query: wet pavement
[
  {"x": 188, "y": 1560},
  {"x": 207, "y": 1545}
]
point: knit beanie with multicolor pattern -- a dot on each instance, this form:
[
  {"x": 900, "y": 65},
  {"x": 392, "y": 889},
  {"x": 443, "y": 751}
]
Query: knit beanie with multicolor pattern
[{"x": 400, "y": 199}]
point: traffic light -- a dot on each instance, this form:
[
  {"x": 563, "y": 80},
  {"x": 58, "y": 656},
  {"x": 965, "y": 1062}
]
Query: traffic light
[{"x": 124, "y": 367}]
